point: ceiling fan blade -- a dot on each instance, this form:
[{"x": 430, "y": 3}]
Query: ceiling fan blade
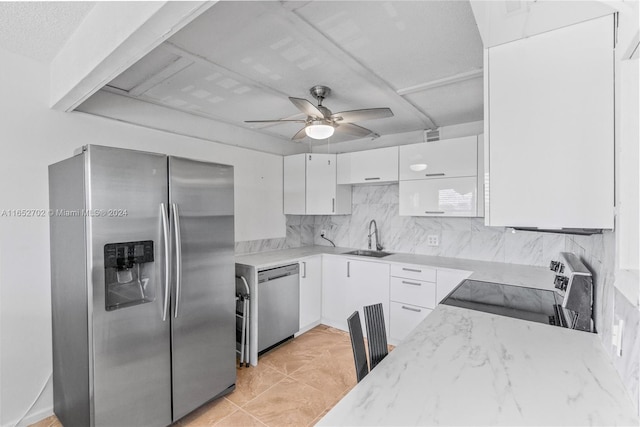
[
  {"x": 300, "y": 135},
  {"x": 361, "y": 115},
  {"x": 306, "y": 107},
  {"x": 355, "y": 130},
  {"x": 274, "y": 121}
]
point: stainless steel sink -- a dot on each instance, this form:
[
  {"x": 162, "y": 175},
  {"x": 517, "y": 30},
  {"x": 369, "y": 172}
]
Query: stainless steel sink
[{"x": 363, "y": 252}]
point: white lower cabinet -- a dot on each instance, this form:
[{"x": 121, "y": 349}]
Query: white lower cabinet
[
  {"x": 348, "y": 285},
  {"x": 404, "y": 319},
  {"x": 447, "y": 281},
  {"x": 408, "y": 293},
  {"x": 310, "y": 292},
  {"x": 334, "y": 288},
  {"x": 413, "y": 297}
]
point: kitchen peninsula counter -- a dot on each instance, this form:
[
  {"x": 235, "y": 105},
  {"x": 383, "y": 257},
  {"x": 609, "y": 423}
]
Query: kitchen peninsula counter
[{"x": 464, "y": 367}]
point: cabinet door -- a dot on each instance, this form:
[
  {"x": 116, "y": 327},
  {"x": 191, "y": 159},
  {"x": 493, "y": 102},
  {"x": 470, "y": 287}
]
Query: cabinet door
[
  {"x": 321, "y": 184},
  {"x": 447, "y": 281},
  {"x": 404, "y": 319},
  {"x": 368, "y": 283},
  {"x": 551, "y": 128},
  {"x": 439, "y": 197},
  {"x": 447, "y": 158},
  {"x": 310, "y": 291},
  {"x": 370, "y": 166},
  {"x": 334, "y": 290},
  {"x": 294, "y": 174}
]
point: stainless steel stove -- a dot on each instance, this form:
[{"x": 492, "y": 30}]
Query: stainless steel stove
[{"x": 569, "y": 306}]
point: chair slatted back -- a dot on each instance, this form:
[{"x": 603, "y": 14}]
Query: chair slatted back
[
  {"x": 376, "y": 334},
  {"x": 357, "y": 344}
]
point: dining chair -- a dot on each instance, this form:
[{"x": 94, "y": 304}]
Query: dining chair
[
  {"x": 376, "y": 334},
  {"x": 357, "y": 344}
]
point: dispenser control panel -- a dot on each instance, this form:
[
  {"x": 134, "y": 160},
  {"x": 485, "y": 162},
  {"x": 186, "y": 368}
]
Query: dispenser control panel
[{"x": 125, "y": 255}]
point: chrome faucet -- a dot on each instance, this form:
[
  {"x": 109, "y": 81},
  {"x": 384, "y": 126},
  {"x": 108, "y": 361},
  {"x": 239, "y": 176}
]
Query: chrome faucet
[{"x": 375, "y": 232}]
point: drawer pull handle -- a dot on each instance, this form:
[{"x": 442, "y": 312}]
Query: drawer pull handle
[
  {"x": 372, "y": 179},
  {"x": 434, "y": 174},
  {"x": 434, "y": 212},
  {"x": 411, "y": 283},
  {"x": 417, "y": 310},
  {"x": 412, "y": 270}
]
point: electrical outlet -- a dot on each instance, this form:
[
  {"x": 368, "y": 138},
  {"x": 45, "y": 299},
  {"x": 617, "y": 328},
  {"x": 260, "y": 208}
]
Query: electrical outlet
[
  {"x": 323, "y": 233},
  {"x": 433, "y": 240}
]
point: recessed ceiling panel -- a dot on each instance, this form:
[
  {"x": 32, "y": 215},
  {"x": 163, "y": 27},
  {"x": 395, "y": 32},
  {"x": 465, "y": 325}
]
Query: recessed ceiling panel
[
  {"x": 269, "y": 44},
  {"x": 241, "y": 60},
  {"x": 404, "y": 42},
  {"x": 199, "y": 88},
  {"x": 452, "y": 104},
  {"x": 154, "y": 62}
]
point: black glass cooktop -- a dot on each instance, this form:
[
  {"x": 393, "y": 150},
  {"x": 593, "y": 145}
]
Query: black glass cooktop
[{"x": 536, "y": 305}]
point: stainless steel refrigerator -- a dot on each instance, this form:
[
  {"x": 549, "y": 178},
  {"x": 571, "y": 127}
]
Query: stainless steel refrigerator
[{"x": 143, "y": 286}]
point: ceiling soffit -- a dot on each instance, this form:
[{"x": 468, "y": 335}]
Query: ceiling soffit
[{"x": 241, "y": 60}]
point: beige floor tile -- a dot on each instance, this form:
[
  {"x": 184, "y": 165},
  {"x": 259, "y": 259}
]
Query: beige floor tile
[
  {"x": 331, "y": 372},
  {"x": 51, "y": 421},
  {"x": 209, "y": 414},
  {"x": 289, "y": 357},
  {"x": 319, "y": 364},
  {"x": 239, "y": 418},
  {"x": 252, "y": 381},
  {"x": 288, "y": 403}
]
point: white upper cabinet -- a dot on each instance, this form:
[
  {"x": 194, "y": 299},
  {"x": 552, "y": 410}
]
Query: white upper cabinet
[
  {"x": 310, "y": 186},
  {"x": 444, "y": 159},
  {"x": 549, "y": 124},
  {"x": 441, "y": 178},
  {"x": 370, "y": 166},
  {"x": 439, "y": 197}
]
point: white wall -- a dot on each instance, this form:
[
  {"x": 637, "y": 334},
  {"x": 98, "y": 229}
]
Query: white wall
[{"x": 31, "y": 137}]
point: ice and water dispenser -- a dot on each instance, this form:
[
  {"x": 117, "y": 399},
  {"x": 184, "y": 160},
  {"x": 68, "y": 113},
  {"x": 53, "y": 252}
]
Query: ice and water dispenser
[{"x": 127, "y": 271}]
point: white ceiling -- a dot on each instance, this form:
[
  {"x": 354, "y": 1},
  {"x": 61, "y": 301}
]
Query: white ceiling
[
  {"x": 38, "y": 30},
  {"x": 241, "y": 60}
]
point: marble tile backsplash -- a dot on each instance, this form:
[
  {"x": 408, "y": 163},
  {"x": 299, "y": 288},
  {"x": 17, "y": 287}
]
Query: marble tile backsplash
[{"x": 469, "y": 238}]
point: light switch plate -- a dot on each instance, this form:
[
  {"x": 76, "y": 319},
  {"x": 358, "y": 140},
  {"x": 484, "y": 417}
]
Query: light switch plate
[{"x": 616, "y": 337}]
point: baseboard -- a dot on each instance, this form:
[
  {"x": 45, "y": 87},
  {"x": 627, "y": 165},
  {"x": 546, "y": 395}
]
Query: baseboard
[{"x": 307, "y": 328}]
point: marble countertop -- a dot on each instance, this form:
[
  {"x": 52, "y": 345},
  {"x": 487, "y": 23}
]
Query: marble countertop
[
  {"x": 514, "y": 274},
  {"x": 464, "y": 367}
]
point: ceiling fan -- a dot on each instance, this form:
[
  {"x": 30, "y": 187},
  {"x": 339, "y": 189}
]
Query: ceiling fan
[{"x": 321, "y": 123}]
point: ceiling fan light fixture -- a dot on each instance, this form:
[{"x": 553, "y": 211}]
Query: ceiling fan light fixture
[{"x": 318, "y": 129}]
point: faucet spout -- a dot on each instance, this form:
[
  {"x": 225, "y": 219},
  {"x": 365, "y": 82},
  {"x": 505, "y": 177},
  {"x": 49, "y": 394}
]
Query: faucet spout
[{"x": 374, "y": 233}]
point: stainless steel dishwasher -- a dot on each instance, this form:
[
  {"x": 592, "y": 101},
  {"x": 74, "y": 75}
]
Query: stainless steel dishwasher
[{"x": 278, "y": 305}]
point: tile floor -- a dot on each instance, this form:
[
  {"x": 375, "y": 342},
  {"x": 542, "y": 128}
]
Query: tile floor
[{"x": 294, "y": 384}]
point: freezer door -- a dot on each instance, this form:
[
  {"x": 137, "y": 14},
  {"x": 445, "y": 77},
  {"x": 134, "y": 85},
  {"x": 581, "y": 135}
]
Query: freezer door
[
  {"x": 203, "y": 307},
  {"x": 131, "y": 360}
]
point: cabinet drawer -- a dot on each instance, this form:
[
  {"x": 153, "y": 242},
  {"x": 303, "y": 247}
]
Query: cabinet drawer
[
  {"x": 413, "y": 291},
  {"x": 446, "y": 159},
  {"x": 439, "y": 197},
  {"x": 404, "y": 318},
  {"x": 414, "y": 272}
]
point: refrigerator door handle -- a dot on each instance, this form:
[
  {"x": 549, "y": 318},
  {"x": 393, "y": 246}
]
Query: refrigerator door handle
[
  {"x": 167, "y": 259},
  {"x": 178, "y": 249}
]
